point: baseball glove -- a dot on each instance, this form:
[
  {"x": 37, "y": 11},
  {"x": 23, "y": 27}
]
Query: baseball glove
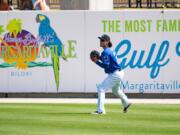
[{"x": 94, "y": 55}]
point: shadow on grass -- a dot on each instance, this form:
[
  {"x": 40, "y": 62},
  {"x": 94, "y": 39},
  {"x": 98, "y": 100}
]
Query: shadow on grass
[{"x": 69, "y": 113}]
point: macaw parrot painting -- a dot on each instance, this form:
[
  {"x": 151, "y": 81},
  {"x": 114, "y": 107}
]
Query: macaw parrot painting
[{"x": 51, "y": 40}]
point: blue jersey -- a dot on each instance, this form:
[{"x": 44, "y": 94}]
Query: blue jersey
[{"x": 108, "y": 61}]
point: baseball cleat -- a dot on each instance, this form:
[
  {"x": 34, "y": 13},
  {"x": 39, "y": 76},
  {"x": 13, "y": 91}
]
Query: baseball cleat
[
  {"x": 126, "y": 108},
  {"x": 98, "y": 113}
]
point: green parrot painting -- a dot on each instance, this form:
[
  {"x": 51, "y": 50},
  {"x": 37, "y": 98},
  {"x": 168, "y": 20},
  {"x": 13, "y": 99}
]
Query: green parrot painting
[{"x": 51, "y": 40}]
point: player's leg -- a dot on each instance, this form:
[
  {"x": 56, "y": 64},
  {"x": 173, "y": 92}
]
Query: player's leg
[
  {"x": 101, "y": 101},
  {"x": 107, "y": 84},
  {"x": 119, "y": 93},
  {"x": 118, "y": 90}
]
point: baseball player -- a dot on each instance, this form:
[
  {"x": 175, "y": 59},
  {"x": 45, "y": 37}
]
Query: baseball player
[{"x": 109, "y": 63}]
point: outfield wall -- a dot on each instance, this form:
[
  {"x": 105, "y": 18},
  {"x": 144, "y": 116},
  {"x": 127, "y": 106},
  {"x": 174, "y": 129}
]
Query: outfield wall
[{"x": 146, "y": 43}]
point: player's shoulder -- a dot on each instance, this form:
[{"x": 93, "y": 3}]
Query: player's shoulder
[{"x": 108, "y": 51}]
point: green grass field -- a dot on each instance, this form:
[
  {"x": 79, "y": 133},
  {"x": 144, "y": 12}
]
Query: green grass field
[{"x": 75, "y": 119}]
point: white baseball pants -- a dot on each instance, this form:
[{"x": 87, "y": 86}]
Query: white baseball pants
[{"x": 113, "y": 81}]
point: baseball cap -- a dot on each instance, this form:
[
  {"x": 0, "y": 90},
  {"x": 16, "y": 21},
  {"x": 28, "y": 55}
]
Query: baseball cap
[{"x": 104, "y": 37}]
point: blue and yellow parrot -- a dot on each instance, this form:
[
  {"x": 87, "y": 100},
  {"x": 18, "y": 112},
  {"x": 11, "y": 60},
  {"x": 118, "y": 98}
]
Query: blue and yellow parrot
[{"x": 51, "y": 40}]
